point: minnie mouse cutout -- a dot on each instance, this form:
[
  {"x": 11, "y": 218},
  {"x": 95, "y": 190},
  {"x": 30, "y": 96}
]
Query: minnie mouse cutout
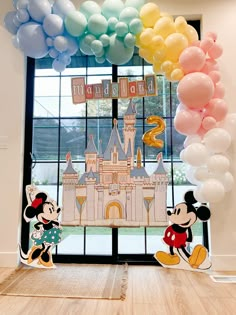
[
  {"x": 183, "y": 216},
  {"x": 47, "y": 230}
]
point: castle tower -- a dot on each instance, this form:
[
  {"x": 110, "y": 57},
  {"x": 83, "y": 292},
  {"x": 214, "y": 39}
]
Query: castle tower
[
  {"x": 91, "y": 155},
  {"x": 129, "y": 130},
  {"x": 69, "y": 180},
  {"x": 160, "y": 179}
]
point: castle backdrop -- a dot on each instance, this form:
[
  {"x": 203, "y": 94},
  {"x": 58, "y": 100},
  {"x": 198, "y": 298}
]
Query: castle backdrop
[{"x": 115, "y": 189}]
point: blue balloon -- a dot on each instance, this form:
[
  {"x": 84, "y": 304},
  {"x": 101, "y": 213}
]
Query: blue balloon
[
  {"x": 14, "y": 3},
  {"x": 38, "y": 10},
  {"x": 72, "y": 46},
  {"x": 22, "y": 4},
  {"x": 32, "y": 40},
  {"x": 22, "y": 15},
  {"x": 64, "y": 58},
  {"x": 61, "y": 43},
  {"x": 53, "y": 25},
  {"x": 117, "y": 53},
  {"x": 63, "y": 7},
  {"x": 53, "y": 53},
  {"x": 58, "y": 65},
  {"x": 9, "y": 24}
]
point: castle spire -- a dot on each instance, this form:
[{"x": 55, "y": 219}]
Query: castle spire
[{"x": 139, "y": 158}]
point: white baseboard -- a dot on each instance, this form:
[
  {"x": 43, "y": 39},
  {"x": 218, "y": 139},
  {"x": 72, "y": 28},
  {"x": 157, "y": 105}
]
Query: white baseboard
[
  {"x": 9, "y": 259},
  {"x": 223, "y": 262}
]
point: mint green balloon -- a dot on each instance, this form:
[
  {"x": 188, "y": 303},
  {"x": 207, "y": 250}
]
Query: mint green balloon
[
  {"x": 105, "y": 39},
  {"x": 136, "y": 26},
  {"x": 97, "y": 25},
  {"x": 96, "y": 46},
  {"x": 112, "y": 21},
  {"x": 112, "y": 8},
  {"x": 89, "y": 8},
  {"x": 129, "y": 40},
  {"x": 75, "y": 23},
  {"x": 121, "y": 29},
  {"x": 137, "y": 4},
  {"x": 128, "y": 14},
  {"x": 117, "y": 53}
]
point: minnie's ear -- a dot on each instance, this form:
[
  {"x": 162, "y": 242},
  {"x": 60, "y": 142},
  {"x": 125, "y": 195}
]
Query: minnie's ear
[
  {"x": 29, "y": 213},
  {"x": 189, "y": 197},
  {"x": 41, "y": 195},
  {"x": 203, "y": 213}
]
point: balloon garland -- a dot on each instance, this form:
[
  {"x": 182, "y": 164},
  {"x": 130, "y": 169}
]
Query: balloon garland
[{"x": 110, "y": 32}]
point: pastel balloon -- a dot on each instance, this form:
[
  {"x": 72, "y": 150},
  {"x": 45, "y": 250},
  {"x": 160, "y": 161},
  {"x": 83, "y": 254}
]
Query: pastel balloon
[
  {"x": 212, "y": 35},
  {"x": 72, "y": 45},
  {"x": 164, "y": 27},
  {"x": 229, "y": 124},
  {"x": 63, "y": 7},
  {"x": 187, "y": 122},
  {"x": 217, "y": 140},
  {"x": 228, "y": 181},
  {"x": 97, "y": 24},
  {"x": 195, "y": 90},
  {"x": 60, "y": 43},
  {"x": 149, "y": 14},
  {"x": 135, "y": 26},
  {"x": 196, "y": 154},
  {"x": 201, "y": 173},
  {"x": 217, "y": 108},
  {"x": 8, "y": 22},
  {"x": 175, "y": 44},
  {"x": 215, "y": 51},
  {"x": 157, "y": 42},
  {"x": 38, "y": 10},
  {"x": 112, "y": 21},
  {"x": 146, "y": 36},
  {"x": 212, "y": 190},
  {"x": 218, "y": 163},
  {"x": 219, "y": 90},
  {"x": 198, "y": 195},
  {"x": 128, "y": 14},
  {"x": 21, "y": 4},
  {"x": 192, "y": 139},
  {"x": 58, "y": 65},
  {"x": 121, "y": 29},
  {"x": 112, "y": 8},
  {"x": 117, "y": 53},
  {"x": 208, "y": 122},
  {"x": 53, "y": 53},
  {"x": 190, "y": 176},
  {"x": 137, "y": 4},
  {"x": 32, "y": 40},
  {"x": 180, "y": 24},
  {"x": 129, "y": 40},
  {"x": 191, "y": 34},
  {"x": 150, "y": 136},
  {"x": 206, "y": 44},
  {"x": 105, "y": 39},
  {"x": 75, "y": 23},
  {"x": 22, "y": 15},
  {"x": 97, "y": 46},
  {"x": 215, "y": 76},
  {"x": 53, "y": 25},
  {"x": 89, "y": 8},
  {"x": 84, "y": 46},
  {"x": 192, "y": 59}
]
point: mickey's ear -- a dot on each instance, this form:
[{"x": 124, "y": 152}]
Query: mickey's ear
[
  {"x": 189, "y": 197},
  {"x": 41, "y": 195},
  {"x": 203, "y": 213},
  {"x": 29, "y": 213}
]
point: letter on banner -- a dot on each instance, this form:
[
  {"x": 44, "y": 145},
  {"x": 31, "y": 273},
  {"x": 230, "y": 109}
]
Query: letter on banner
[{"x": 78, "y": 90}]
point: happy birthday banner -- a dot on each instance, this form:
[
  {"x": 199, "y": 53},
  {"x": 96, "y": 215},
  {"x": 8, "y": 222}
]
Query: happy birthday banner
[{"x": 82, "y": 92}]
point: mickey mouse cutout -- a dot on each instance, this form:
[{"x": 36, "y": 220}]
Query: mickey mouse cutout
[
  {"x": 47, "y": 231},
  {"x": 183, "y": 216}
]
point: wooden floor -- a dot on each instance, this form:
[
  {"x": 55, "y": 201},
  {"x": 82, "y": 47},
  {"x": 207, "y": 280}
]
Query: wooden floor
[{"x": 151, "y": 290}]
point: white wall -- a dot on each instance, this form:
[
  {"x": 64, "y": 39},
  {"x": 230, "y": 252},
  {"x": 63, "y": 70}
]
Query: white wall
[{"x": 217, "y": 16}]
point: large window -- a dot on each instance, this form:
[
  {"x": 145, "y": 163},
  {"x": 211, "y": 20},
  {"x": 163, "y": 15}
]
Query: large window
[{"x": 55, "y": 126}]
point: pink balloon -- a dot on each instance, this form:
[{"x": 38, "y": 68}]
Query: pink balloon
[
  {"x": 192, "y": 59},
  {"x": 201, "y": 131},
  {"x": 196, "y": 43},
  {"x": 208, "y": 123},
  {"x": 206, "y": 44},
  {"x": 215, "y": 51},
  {"x": 187, "y": 122},
  {"x": 219, "y": 90},
  {"x": 212, "y": 35},
  {"x": 195, "y": 90},
  {"x": 215, "y": 76},
  {"x": 217, "y": 108},
  {"x": 210, "y": 65}
]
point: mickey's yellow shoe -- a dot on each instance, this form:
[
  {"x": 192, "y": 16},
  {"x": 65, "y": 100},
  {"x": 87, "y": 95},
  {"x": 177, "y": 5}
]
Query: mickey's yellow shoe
[
  {"x": 198, "y": 256},
  {"x": 167, "y": 259}
]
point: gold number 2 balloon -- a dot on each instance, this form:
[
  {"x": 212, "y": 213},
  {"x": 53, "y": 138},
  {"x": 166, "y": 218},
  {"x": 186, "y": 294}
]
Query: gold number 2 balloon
[{"x": 149, "y": 137}]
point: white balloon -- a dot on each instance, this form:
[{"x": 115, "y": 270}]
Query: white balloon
[
  {"x": 201, "y": 173},
  {"x": 192, "y": 139},
  {"x": 190, "y": 176},
  {"x": 218, "y": 163},
  {"x": 228, "y": 181},
  {"x": 196, "y": 154},
  {"x": 217, "y": 140},
  {"x": 213, "y": 190},
  {"x": 181, "y": 155},
  {"x": 229, "y": 124},
  {"x": 198, "y": 195}
]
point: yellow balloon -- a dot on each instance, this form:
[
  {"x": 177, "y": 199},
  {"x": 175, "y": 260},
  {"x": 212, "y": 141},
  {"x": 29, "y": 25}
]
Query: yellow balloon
[
  {"x": 175, "y": 44},
  {"x": 191, "y": 34},
  {"x": 167, "y": 66},
  {"x": 146, "y": 54},
  {"x": 166, "y": 14},
  {"x": 137, "y": 41},
  {"x": 157, "y": 42},
  {"x": 180, "y": 24},
  {"x": 160, "y": 54},
  {"x": 157, "y": 67},
  {"x": 146, "y": 36},
  {"x": 149, "y": 137},
  {"x": 177, "y": 75},
  {"x": 149, "y": 14},
  {"x": 164, "y": 27}
]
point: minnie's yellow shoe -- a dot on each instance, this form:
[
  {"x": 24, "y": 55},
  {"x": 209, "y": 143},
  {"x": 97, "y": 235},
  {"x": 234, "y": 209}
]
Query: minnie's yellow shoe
[
  {"x": 198, "y": 256},
  {"x": 45, "y": 259},
  {"x": 167, "y": 259},
  {"x": 34, "y": 253}
]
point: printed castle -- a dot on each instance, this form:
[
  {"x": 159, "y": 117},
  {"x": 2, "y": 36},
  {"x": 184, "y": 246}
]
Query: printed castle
[{"x": 115, "y": 190}]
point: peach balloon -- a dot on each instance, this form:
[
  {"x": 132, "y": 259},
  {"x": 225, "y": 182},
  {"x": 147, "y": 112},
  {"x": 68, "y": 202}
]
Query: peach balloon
[
  {"x": 217, "y": 108},
  {"x": 187, "y": 122},
  {"x": 215, "y": 51},
  {"x": 208, "y": 122},
  {"x": 192, "y": 59},
  {"x": 219, "y": 90}
]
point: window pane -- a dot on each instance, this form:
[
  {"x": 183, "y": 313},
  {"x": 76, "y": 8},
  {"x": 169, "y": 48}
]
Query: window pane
[
  {"x": 72, "y": 240},
  {"x": 98, "y": 241},
  {"x": 101, "y": 130},
  {"x": 100, "y": 108},
  {"x": 46, "y": 86},
  {"x": 131, "y": 241},
  {"x": 68, "y": 109},
  {"x": 46, "y": 106}
]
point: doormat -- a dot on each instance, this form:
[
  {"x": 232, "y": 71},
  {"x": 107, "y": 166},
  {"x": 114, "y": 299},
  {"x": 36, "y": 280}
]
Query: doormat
[
  {"x": 223, "y": 278},
  {"x": 69, "y": 281}
]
